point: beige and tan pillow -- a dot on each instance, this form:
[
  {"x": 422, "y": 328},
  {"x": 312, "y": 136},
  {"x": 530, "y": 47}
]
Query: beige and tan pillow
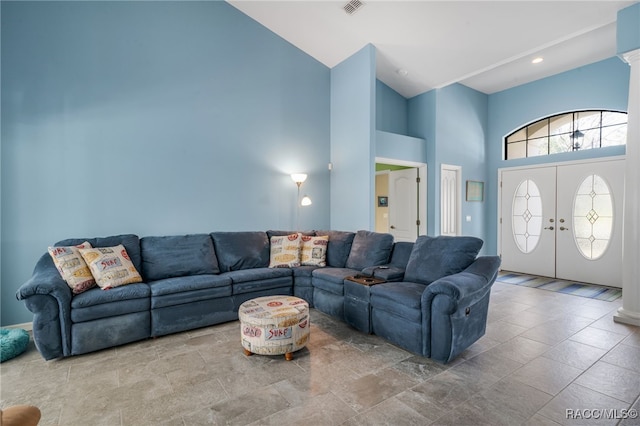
[
  {"x": 111, "y": 266},
  {"x": 72, "y": 267},
  {"x": 314, "y": 251},
  {"x": 285, "y": 251}
]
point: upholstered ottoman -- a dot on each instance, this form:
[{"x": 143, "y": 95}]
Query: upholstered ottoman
[{"x": 274, "y": 325}]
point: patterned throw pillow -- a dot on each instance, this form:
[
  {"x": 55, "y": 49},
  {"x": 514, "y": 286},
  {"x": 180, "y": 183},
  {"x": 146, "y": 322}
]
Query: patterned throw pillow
[
  {"x": 314, "y": 251},
  {"x": 285, "y": 251},
  {"x": 111, "y": 266},
  {"x": 72, "y": 267}
]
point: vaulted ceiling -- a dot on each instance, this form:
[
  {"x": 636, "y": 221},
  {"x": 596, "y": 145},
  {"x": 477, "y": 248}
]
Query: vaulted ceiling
[{"x": 422, "y": 45}]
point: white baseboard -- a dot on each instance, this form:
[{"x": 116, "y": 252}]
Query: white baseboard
[{"x": 25, "y": 325}]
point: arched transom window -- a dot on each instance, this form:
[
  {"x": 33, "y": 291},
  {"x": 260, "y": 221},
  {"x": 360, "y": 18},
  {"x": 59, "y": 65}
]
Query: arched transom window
[{"x": 567, "y": 132}]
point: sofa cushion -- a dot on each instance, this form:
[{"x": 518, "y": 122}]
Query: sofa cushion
[
  {"x": 185, "y": 290},
  {"x": 335, "y": 275},
  {"x": 369, "y": 249},
  {"x": 130, "y": 242},
  {"x": 96, "y": 297},
  {"x": 177, "y": 256},
  {"x": 194, "y": 282},
  {"x": 401, "y": 253},
  {"x": 314, "y": 250},
  {"x": 331, "y": 279},
  {"x": 385, "y": 273},
  {"x": 72, "y": 267},
  {"x": 260, "y": 279},
  {"x": 241, "y": 250},
  {"x": 338, "y": 248},
  {"x": 304, "y": 271},
  {"x": 95, "y": 303},
  {"x": 435, "y": 257},
  {"x": 284, "y": 251},
  {"x": 257, "y": 274},
  {"x": 284, "y": 286},
  {"x": 111, "y": 266}
]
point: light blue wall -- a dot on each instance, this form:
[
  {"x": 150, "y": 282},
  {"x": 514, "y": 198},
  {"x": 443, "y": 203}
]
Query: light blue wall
[
  {"x": 391, "y": 110},
  {"x": 461, "y": 131},
  {"x": 353, "y": 95},
  {"x": 628, "y": 29},
  {"x": 154, "y": 118},
  {"x": 400, "y": 147},
  {"x": 421, "y": 112},
  {"x": 602, "y": 85},
  {"x": 453, "y": 120}
]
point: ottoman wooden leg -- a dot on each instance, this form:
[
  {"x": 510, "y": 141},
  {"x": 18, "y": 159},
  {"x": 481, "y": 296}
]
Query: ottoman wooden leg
[
  {"x": 288, "y": 356},
  {"x": 247, "y": 352}
]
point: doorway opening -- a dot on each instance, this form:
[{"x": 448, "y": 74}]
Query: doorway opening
[
  {"x": 450, "y": 200},
  {"x": 400, "y": 201},
  {"x": 563, "y": 221}
]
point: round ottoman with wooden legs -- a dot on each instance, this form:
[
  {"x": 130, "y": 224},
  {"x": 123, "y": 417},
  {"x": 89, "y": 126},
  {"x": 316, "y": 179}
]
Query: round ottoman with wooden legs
[{"x": 274, "y": 325}]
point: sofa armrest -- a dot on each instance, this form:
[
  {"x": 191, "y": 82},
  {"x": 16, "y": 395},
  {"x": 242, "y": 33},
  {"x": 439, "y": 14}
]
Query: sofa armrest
[
  {"x": 48, "y": 297},
  {"x": 468, "y": 284},
  {"x": 46, "y": 280},
  {"x": 454, "y": 309},
  {"x": 385, "y": 272}
]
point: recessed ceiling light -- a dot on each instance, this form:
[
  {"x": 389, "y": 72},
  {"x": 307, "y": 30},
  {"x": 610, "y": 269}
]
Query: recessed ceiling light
[
  {"x": 402, "y": 72},
  {"x": 537, "y": 60}
]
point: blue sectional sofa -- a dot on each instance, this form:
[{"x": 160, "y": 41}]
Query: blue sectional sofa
[{"x": 434, "y": 300}]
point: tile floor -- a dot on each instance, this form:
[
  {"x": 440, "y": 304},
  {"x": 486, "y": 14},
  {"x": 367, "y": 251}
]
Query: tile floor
[{"x": 544, "y": 353}]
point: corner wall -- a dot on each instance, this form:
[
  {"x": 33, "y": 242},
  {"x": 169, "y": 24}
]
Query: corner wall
[
  {"x": 421, "y": 111},
  {"x": 153, "y": 118},
  {"x": 453, "y": 120},
  {"x": 353, "y": 113},
  {"x": 391, "y": 110}
]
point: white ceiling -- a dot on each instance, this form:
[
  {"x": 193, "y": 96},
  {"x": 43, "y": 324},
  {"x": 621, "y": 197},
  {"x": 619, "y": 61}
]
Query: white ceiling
[{"x": 485, "y": 45}]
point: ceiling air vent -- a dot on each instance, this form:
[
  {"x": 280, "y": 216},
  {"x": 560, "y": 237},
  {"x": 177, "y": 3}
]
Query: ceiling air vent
[{"x": 353, "y": 6}]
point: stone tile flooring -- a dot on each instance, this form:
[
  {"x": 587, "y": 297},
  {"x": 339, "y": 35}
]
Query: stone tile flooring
[{"x": 544, "y": 353}]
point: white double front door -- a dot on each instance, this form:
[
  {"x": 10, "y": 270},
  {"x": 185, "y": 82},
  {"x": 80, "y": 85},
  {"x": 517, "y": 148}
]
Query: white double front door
[{"x": 564, "y": 221}]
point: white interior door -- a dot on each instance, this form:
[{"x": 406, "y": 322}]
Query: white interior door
[
  {"x": 528, "y": 214},
  {"x": 589, "y": 231},
  {"x": 450, "y": 219},
  {"x": 403, "y": 204}
]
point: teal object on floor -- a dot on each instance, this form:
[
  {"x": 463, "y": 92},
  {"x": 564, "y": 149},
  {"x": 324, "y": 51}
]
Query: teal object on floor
[{"x": 12, "y": 343}]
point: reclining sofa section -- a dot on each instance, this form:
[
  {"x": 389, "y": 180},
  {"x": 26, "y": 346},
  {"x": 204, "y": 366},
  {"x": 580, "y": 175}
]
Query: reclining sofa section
[{"x": 434, "y": 301}]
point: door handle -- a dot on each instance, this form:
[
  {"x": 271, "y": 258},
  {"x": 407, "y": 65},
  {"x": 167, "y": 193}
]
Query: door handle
[
  {"x": 392, "y": 227},
  {"x": 550, "y": 228},
  {"x": 562, "y": 228}
]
